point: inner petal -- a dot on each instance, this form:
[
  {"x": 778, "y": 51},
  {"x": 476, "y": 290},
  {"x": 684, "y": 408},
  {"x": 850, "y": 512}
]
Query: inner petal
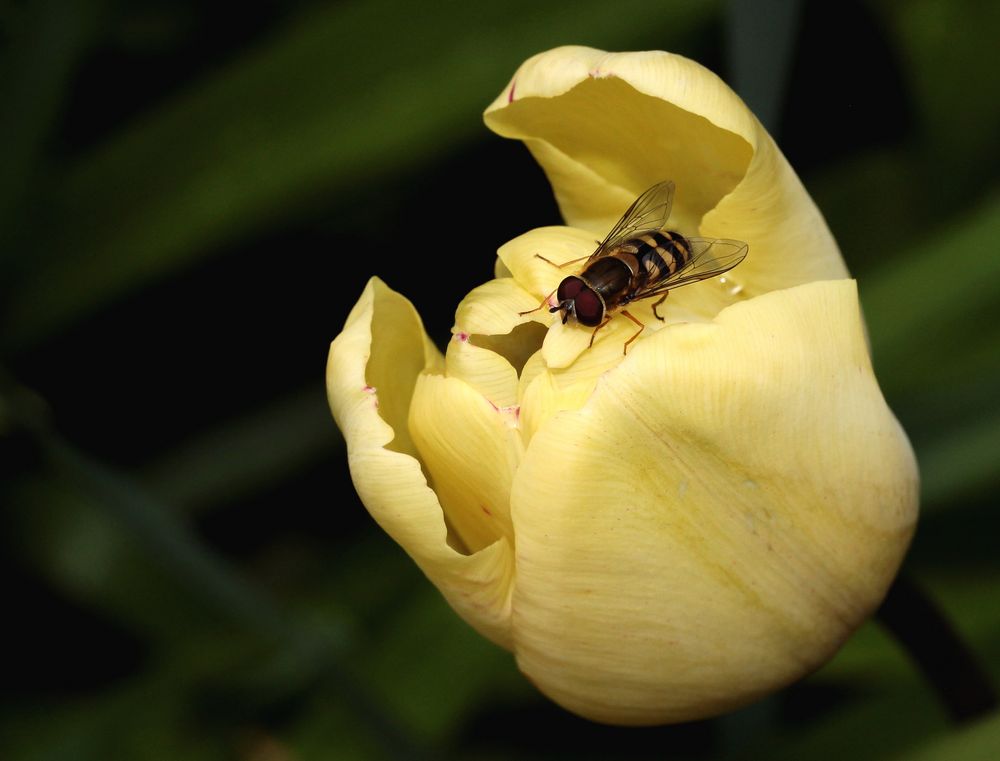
[
  {"x": 471, "y": 448},
  {"x": 486, "y": 371},
  {"x": 604, "y": 123},
  {"x": 498, "y": 326},
  {"x": 539, "y": 259},
  {"x": 517, "y": 346}
]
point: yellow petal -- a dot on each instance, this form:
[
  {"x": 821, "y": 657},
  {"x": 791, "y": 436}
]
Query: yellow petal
[
  {"x": 607, "y": 126},
  {"x": 534, "y": 366},
  {"x": 544, "y": 396},
  {"x": 374, "y": 363},
  {"x": 489, "y": 317},
  {"x": 565, "y": 342},
  {"x": 372, "y": 370},
  {"x": 560, "y": 245},
  {"x": 732, "y": 501},
  {"x": 471, "y": 449},
  {"x": 493, "y": 308},
  {"x": 484, "y": 370},
  {"x": 500, "y": 269}
]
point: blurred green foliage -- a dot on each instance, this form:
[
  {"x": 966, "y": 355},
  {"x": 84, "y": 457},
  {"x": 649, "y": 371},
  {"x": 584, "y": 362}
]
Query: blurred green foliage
[{"x": 183, "y": 190}]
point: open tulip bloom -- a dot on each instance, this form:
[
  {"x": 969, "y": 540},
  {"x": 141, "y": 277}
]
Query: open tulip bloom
[{"x": 661, "y": 535}]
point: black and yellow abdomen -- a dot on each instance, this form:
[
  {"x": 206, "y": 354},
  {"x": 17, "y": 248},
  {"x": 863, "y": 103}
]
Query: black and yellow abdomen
[{"x": 659, "y": 254}]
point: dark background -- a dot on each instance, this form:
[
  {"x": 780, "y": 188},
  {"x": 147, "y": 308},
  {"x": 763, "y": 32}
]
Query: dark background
[{"x": 192, "y": 199}]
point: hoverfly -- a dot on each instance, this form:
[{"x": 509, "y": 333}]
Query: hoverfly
[{"x": 639, "y": 260}]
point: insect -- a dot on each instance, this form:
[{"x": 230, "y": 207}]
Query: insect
[{"x": 639, "y": 260}]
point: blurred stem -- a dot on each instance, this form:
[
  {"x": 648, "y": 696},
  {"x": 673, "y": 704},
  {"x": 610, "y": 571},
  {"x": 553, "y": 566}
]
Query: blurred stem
[{"x": 946, "y": 662}]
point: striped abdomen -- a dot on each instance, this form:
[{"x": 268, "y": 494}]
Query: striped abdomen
[{"x": 657, "y": 255}]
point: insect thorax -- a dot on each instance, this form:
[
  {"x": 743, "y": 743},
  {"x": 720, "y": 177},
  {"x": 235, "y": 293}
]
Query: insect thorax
[{"x": 608, "y": 276}]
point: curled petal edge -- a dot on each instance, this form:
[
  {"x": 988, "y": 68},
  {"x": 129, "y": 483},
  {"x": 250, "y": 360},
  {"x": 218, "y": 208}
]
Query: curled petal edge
[
  {"x": 606, "y": 126},
  {"x": 377, "y": 357}
]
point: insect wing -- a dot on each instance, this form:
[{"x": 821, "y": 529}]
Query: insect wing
[
  {"x": 710, "y": 257},
  {"x": 649, "y": 212}
]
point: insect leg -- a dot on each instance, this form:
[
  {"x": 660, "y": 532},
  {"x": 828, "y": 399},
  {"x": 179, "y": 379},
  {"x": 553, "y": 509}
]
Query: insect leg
[
  {"x": 564, "y": 264},
  {"x": 662, "y": 299},
  {"x": 642, "y": 327},
  {"x": 594, "y": 334},
  {"x": 545, "y": 302}
]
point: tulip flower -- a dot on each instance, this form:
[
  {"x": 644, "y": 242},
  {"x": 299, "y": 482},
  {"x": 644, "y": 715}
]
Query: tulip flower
[{"x": 662, "y": 535}]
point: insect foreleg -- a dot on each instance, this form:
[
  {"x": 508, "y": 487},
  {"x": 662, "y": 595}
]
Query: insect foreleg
[
  {"x": 662, "y": 299},
  {"x": 545, "y": 302},
  {"x": 564, "y": 264},
  {"x": 642, "y": 327},
  {"x": 594, "y": 334}
]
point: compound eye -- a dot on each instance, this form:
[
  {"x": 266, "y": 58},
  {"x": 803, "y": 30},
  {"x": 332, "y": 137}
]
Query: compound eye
[
  {"x": 589, "y": 309},
  {"x": 569, "y": 287}
]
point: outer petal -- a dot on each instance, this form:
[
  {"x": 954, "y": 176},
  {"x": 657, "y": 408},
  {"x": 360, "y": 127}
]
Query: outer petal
[
  {"x": 373, "y": 367},
  {"x": 606, "y": 126},
  {"x": 667, "y": 572}
]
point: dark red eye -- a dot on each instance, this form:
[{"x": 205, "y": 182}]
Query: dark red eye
[
  {"x": 589, "y": 309},
  {"x": 569, "y": 287}
]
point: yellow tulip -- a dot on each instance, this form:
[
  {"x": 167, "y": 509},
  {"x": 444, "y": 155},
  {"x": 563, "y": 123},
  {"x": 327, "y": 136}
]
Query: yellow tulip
[{"x": 668, "y": 534}]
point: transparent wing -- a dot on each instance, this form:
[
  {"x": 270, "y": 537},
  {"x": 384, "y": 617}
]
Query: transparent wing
[
  {"x": 710, "y": 257},
  {"x": 649, "y": 212}
]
